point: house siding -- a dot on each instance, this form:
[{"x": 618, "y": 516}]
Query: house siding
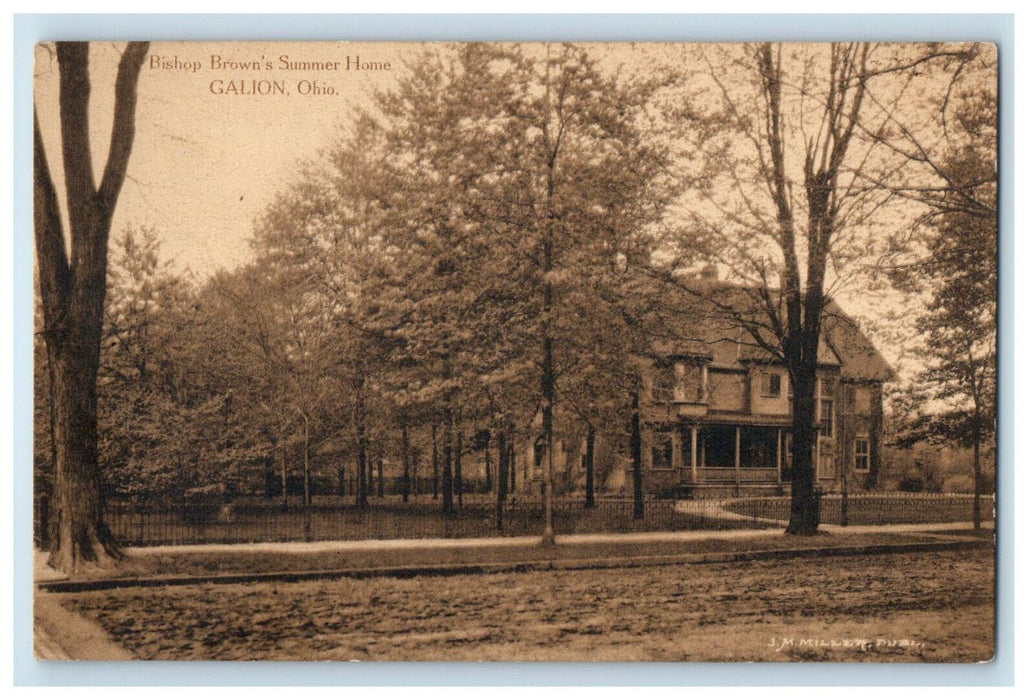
[
  {"x": 741, "y": 404},
  {"x": 712, "y": 397},
  {"x": 762, "y": 402},
  {"x": 728, "y": 390}
]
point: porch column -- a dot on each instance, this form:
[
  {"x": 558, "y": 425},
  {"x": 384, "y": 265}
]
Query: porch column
[
  {"x": 693, "y": 454},
  {"x": 779, "y": 452},
  {"x": 736, "y": 460}
]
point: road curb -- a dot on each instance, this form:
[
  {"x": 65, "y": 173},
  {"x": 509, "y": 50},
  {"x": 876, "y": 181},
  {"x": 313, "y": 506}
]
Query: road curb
[{"x": 66, "y": 586}]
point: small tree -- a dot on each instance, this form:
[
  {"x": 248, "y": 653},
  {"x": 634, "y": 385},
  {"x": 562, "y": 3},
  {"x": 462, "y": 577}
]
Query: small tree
[
  {"x": 148, "y": 384},
  {"x": 957, "y": 273},
  {"x": 960, "y": 328}
]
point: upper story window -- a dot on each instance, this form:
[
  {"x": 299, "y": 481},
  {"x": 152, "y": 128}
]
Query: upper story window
[
  {"x": 773, "y": 385},
  {"x": 663, "y": 384},
  {"x": 539, "y": 453},
  {"x": 826, "y": 417},
  {"x": 825, "y": 406},
  {"x": 862, "y": 453},
  {"x": 694, "y": 382}
]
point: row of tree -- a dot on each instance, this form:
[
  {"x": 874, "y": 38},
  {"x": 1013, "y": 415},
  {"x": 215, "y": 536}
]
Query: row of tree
[{"x": 496, "y": 246}]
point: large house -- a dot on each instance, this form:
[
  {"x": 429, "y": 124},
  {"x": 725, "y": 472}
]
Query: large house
[{"x": 716, "y": 408}]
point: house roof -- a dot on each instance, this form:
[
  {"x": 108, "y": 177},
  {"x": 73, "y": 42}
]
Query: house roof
[{"x": 721, "y": 321}]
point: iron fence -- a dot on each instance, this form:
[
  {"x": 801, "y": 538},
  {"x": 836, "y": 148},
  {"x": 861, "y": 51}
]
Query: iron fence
[
  {"x": 262, "y": 520},
  {"x": 134, "y": 525}
]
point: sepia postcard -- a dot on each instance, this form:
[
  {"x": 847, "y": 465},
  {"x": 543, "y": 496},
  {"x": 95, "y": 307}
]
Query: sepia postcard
[{"x": 515, "y": 351}]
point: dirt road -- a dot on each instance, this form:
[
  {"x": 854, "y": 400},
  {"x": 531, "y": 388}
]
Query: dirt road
[{"x": 932, "y": 606}]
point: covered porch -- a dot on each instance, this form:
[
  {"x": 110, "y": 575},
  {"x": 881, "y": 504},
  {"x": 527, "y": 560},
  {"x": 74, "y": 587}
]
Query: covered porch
[{"x": 729, "y": 453}]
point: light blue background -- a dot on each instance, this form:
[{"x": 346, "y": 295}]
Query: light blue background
[{"x": 28, "y": 29}]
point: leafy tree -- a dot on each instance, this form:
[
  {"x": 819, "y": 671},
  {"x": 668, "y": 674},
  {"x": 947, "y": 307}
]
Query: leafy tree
[
  {"x": 796, "y": 192},
  {"x": 955, "y": 273},
  {"x": 284, "y": 329},
  {"x": 960, "y": 326},
  {"x": 146, "y": 385},
  {"x": 170, "y": 397},
  {"x": 72, "y": 287},
  {"x": 322, "y": 237},
  {"x": 227, "y": 413},
  {"x": 525, "y": 175},
  {"x": 953, "y": 153},
  {"x": 431, "y": 292},
  {"x": 957, "y": 388}
]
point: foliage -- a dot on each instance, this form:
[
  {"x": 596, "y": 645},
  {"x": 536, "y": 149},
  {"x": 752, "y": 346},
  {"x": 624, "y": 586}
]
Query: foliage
[
  {"x": 954, "y": 397},
  {"x": 499, "y": 246},
  {"x": 800, "y": 184},
  {"x": 145, "y": 390}
]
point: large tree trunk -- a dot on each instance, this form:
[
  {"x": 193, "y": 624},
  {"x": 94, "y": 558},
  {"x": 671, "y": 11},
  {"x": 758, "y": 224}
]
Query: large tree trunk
[
  {"x": 800, "y": 330},
  {"x": 637, "y": 459},
  {"x": 803, "y": 520},
  {"x": 78, "y": 531},
  {"x": 802, "y": 352},
  {"x": 73, "y": 284}
]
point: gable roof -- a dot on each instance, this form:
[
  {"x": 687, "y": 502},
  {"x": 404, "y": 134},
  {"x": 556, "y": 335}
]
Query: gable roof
[
  {"x": 860, "y": 359},
  {"x": 713, "y": 324}
]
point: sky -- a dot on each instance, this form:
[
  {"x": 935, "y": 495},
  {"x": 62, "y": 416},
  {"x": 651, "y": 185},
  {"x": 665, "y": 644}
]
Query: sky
[
  {"x": 205, "y": 164},
  {"x": 208, "y": 158},
  {"x": 210, "y": 154}
]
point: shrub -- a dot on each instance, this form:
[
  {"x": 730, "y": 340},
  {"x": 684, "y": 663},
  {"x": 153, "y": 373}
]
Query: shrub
[{"x": 911, "y": 484}]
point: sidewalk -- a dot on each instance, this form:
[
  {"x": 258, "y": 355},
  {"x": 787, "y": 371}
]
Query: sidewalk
[
  {"x": 45, "y": 573},
  {"x": 396, "y": 562},
  {"x": 588, "y": 538},
  {"x": 61, "y": 635}
]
